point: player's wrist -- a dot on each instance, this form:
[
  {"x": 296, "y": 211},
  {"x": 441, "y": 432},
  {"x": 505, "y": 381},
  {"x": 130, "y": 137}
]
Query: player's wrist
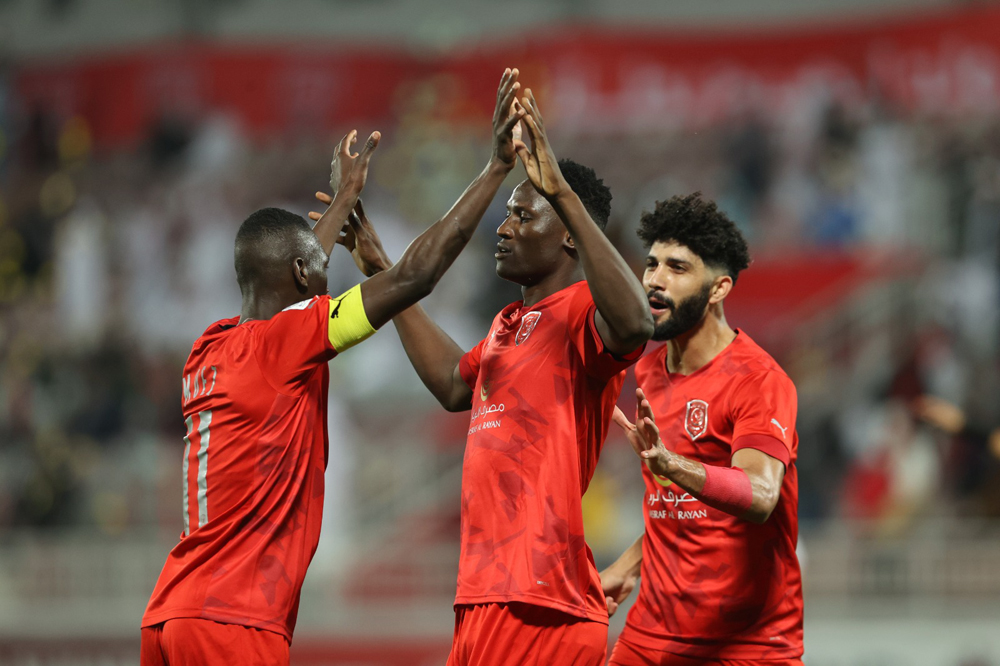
[
  {"x": 499, "y": 167},
  {"x": 665, "y": 464},
  {"x": 563, "y": 197}
]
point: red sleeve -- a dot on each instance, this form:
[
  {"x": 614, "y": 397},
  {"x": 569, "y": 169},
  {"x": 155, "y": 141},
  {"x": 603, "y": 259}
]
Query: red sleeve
[
  {"x": 598, "y": 361},
  {"x": 468, "y": 367},
  {"x": 764, "y": 406},
  {"x": 293, "y": 343}
]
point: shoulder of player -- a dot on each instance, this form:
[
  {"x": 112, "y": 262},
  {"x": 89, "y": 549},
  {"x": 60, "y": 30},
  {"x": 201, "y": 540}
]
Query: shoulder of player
[
  {"x": 219, "y": 330},
  {"x": 570, "y": 304},
  {"x": 754, "y": 357}
]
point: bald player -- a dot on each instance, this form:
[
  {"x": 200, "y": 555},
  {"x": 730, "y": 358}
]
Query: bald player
[{"x": 254, "y": 402}]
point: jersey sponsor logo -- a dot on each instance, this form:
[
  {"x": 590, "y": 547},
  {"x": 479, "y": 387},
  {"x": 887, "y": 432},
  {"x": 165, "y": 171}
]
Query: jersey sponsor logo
[
  {"x": 670, "y": 506},
  {"x": 528, "y": 323},
  {"x": 783, "y": 433},
  {"x": 696, "y": 420},
  {"x": 484, "y": 389}
]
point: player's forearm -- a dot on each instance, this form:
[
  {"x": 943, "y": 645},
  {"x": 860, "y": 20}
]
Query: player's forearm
[
  {"x": 432, "y": 252},
  {"x": 630, "y": 561},
  {"x": 727, "y": 489},
  {"x": 616, "y": 291},
  {"x": 434, "y": 355},
  {"x": 329, "y": 226}
]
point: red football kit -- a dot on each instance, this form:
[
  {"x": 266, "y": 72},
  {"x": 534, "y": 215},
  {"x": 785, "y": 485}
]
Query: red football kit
[
  {"x": 544, "y": 389},
  {"x": 254, "y": 402},
  {"x": 713, "y": 585}
]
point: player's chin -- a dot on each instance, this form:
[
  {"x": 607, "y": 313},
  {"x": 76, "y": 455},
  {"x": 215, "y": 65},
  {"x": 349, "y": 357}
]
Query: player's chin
[{"x": 506, "y": 270}]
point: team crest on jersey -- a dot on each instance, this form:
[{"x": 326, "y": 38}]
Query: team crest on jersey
[
  {"x": 696, "y": 420},
  {"x": 528, "y": 323}
]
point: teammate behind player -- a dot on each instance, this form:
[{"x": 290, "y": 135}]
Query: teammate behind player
[
  {"x": 542, "y": 386},
  {"x": 720, "y": 578},
  {"x": 255, "y": 397}
]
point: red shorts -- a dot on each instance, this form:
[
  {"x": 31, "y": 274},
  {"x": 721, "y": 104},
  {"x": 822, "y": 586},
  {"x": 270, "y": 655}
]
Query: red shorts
[
  {"x": 629, "y": 654},
  {"x": 196, "y": 642},
  {"x": 524, "y": 634}
]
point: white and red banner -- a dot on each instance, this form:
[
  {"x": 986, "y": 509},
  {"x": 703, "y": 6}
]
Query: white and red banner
[{"x": 604, "y": 80}]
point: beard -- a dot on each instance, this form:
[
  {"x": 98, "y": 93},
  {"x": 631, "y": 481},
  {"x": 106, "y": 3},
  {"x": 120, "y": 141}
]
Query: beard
[{"x": 683, "y": 317}]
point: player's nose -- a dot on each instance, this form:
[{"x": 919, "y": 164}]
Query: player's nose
[{"x": 505, "y": 230}]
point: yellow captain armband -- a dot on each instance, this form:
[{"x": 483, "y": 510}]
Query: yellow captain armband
[{"x": 348, "y": 324}]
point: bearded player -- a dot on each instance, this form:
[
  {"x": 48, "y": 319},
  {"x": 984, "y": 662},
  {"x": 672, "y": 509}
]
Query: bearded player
[
  {"x": 720, "y": 578},
  {"x": 542, "y": 387},
  {"x": 255, "y": 397}
]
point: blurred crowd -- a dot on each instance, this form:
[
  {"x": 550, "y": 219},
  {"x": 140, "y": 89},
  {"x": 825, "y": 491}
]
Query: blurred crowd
[{"x": 113, "y": 262}]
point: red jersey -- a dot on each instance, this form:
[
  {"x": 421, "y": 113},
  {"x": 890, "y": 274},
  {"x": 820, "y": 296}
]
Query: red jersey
[
  {"x": 713, "y": 585},
  {"x": 544, "y": 388},
  {"x": 254, "y": 402}
]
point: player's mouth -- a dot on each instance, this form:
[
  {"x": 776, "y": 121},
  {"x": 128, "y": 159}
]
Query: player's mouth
[
  {"x": 502, "y": 251},
  {"x": 658, "y": 307}
]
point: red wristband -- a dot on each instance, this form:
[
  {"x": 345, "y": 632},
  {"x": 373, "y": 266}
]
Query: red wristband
[{"x": 727, "y": 488}]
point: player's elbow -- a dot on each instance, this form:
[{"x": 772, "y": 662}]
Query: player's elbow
[
  {"x": 455, "y": 407},
  {"x": 641, "y": 330},
  {"x": 632, "y": 336},
  {"x": 455, "y": 403},
  {"x": 765, "y": 499}
]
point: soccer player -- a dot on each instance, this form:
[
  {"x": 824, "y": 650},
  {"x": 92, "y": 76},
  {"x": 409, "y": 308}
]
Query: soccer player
[
  {"x": 716, "y": 431},
  {"x": 542, "y": 386},
  {"x": 254, "y": 401}
]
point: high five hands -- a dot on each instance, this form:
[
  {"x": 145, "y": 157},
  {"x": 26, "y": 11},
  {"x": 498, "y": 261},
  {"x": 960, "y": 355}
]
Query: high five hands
[
  {"x": 539, "y": 161},
  {"x": 644, "y": 435},
  {"x": 349, "y": 170}
]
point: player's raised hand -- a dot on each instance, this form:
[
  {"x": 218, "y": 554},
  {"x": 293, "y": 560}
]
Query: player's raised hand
[
  {"x": 539, "y": 161},
  {"x": 506, "y": 117},
  {"x": 360, "y": 238},
  {"x": 353, "y": 180},
  {"x": 644, "y": 435},
  {"x": 330, "y": 225},
  {"x": 343, "y": 160}
]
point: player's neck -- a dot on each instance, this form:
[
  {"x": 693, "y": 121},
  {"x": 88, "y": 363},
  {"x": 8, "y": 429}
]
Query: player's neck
[
  {"x": 550, "y": 284},
  {"x": 262, "y": 307},
  {"x": 695, "y": 349}
]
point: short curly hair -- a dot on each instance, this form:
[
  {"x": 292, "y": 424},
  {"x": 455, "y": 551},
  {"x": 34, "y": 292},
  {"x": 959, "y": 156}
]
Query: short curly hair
[
  {"x": 699, "y": 225},
  {"x": 595, "y": 195}
]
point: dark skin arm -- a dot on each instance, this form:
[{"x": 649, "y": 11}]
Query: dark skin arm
[
  {"x": 765, "y": 473},
  {"x": 434, "y": 355},
  {"x": 352, "y": 176},
  {"x": 432, "y": 351},
  {"x": 623, "y": 318}
]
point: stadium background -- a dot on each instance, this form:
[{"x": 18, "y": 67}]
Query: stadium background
[{"x": 856, "y": 143}]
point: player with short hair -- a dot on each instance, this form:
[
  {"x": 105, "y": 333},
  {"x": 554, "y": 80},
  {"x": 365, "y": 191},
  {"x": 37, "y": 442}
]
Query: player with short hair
[
  {"x": 255, "y": 400},
  {"x": 542, "y": 386},
  {"x": 720, "y": 578}
]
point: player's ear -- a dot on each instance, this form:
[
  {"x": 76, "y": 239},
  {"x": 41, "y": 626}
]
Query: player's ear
[
  {"x": 721, "y": 287},
  {"x": 300, "y": 272},
  {"x": 568, "y": 242}
]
